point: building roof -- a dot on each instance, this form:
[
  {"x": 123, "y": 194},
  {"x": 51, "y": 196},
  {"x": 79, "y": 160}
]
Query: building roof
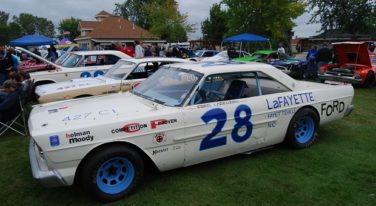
[
  {"x": 115, "y": 27},
  {"x": 103, "y": 13},
  {"x": 88, "y": 24}
]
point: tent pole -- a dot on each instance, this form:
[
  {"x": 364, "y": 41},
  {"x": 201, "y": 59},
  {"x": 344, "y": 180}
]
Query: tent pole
[
  {"x": 270, "y": 45},
  {"x": 241, "y": 44}
]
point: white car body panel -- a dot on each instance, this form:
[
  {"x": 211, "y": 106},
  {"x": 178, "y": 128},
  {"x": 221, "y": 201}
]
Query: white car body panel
[
  {"x": 67, "y": 131},
  {"x": 94, "y": 86},
  {"x": 61, "y": 73}
]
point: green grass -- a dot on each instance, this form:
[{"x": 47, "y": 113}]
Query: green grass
[{"x": 340, "y": 169}]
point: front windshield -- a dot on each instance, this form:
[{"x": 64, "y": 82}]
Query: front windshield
[
  {"x": 61, "y": 59},
  {"x": 199, "y": 53},
  {"x": 168, "y": 86},
  {"x": 120, "y": 69},
  {"x": 72, "y": 60},
  {"x": 222, "y": 54}
]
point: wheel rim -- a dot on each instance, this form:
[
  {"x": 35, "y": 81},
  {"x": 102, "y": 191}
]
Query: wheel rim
[
  {"x": 305, "y": 129},
  {"x": 115, "y": 175}
]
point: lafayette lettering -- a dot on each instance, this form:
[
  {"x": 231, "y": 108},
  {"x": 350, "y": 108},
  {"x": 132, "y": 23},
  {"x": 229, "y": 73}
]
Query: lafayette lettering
[
  {"x": 79, "y": 137},
  {"x": 290, "y": 100}
]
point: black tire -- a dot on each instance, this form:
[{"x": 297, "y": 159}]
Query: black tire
[
  {"x": 102, "y": 177},
  {"x": 303, "y": 128},
  {"x": 370, "y": 79}
]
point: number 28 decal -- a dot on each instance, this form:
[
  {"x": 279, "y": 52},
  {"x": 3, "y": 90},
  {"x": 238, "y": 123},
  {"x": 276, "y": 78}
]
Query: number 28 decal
[{"x": 220, "y": 116}]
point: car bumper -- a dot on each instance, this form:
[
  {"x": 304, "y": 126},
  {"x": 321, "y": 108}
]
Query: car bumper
[
  {"x": 48, "y": 178},
  {"x": 343, "y": 79},
  {"x": 349, "y": 110}
]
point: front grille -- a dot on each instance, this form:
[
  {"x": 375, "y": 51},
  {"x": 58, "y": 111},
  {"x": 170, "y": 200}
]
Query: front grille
[{"x": 340, "y": 72}]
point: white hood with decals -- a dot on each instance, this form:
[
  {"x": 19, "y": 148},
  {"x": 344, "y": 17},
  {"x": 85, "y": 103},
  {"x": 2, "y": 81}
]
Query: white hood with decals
[
  {"x": 74, "y": 84},
  {"x": 87, "y": 113}
]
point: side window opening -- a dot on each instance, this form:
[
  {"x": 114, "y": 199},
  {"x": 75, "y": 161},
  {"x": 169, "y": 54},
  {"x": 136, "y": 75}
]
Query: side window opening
[
  {"x": 269, "y": 85},
  {"x": 231, "y": 86},
  {"x": 224, "y": 87}
]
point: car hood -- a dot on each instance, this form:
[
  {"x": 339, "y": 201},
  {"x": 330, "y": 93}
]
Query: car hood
[
  {"x": 71, "y": 85},
  {"x": 246, "y": 59},
  {"x": 87, "y": 113},
  {"x": 352, "y": 53}
]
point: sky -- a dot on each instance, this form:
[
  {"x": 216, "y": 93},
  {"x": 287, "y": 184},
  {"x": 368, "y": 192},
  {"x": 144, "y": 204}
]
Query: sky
[{"x": 56, "y": 10}]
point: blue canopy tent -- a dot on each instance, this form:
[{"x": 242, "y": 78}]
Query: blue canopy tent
[
  {"x": 32, "y": 40},
  {"x": 246, "y": 37}
]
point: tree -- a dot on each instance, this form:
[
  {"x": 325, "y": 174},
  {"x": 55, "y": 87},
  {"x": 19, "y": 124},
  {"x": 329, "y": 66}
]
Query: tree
[
  {"x": 214, "y": 27},
  {"x": 167, "y": 22},
  {"x": 349, "y": 16},
  {"x": 271, "y": 18},
  {"x": 4, "y": 30},
  {"x": 30, "y": 24},
  {"x": 135, "y": 11},
  {"x": 70, "y": 25}
]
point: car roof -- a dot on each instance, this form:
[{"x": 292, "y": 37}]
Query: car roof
[
  {"x": 150, "y": 59},
  {"x": 349, "y": 42},
  {"x": 209, "y": 68},
  {"x": 100, "y": 52}
]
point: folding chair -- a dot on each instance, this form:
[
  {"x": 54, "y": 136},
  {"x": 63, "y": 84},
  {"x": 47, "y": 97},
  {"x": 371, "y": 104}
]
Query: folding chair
[{"x": 14, "y": 124}]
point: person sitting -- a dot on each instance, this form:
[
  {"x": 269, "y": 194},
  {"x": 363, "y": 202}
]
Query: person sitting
[{"x": 9, "y": 106}]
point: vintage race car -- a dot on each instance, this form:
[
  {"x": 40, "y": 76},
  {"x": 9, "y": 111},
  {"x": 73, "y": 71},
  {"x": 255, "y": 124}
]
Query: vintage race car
[
  {"x": 295, "y": 67},
  {"x": 123, "y": 76},
  {"x": 223, "y": 56},
  {"x": 183, "y": 114},
  {"x": 77, "y": 65},
  {"x": 355, "y": 65}
]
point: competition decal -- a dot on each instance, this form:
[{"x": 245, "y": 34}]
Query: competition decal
[
  {"x": 54, "y": 141},
  {"x": 130, "y": 128},
  {"x": 76, "y": 137},
  {"x": 289, "y": 100},
  {"x": 329, "y": 109},
  {"x": 219, "y": 115}
]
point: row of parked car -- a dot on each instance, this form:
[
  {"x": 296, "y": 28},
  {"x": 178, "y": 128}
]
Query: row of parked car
[{"x": 176, "y": 113}]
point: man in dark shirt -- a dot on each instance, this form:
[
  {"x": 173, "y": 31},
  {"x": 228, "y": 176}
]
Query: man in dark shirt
[
  {"x": 10, "y": 106},
  {"x": 324, "y": 56}
]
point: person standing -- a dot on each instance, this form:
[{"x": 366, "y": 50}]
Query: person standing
[
  {"x": 15, "y": 60},
  {"x": 371, "y": 48},
  {"x": 311, "y": 58},
  {"x": 53, "y": 49},
  {"x": 6, "y": 67},
  {"x": 280, "y": 49},
  {"x": 324, "y": 56},
  {"x": 139, "y": 51}
]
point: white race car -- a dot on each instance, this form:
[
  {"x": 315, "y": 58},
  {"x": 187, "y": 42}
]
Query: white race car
[
  {"x": 223, "y": 56},
  {"x": 181, "y": 115},
  {"x": 77, "y": 65},
  {"x": 122, "y": 76}
]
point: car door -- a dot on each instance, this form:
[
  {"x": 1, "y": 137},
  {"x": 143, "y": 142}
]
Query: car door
[
  {"x": 132, "y": 79},
  {"x": 224, "y": 124}
]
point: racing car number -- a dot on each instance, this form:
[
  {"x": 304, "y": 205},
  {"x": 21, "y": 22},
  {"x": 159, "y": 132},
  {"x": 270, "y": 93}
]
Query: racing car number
[
  {"x": 88, "y": 74},
  {"x": 218, "y": 114}
]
